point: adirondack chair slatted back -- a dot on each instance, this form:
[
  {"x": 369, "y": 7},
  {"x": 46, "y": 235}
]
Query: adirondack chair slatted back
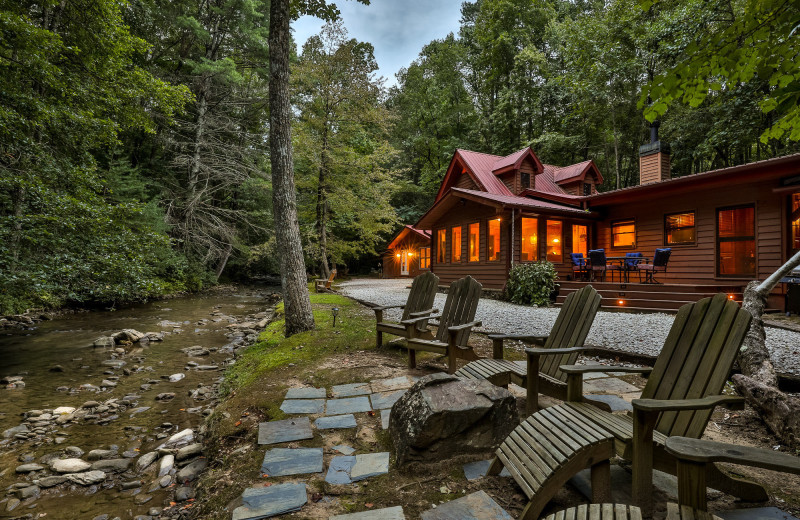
[
  {"x": 422, "y": 294},
  {"x": 570, "y": 329},
  {"x": 696, "y": 360},
  {"x": 459, "y": 308}
]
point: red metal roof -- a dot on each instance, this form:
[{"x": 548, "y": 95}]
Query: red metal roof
[
  {"x": 408, "y": 229},
  {"x": 517, "y": 201},
  {"x": 481, "y": 166},
  {"x": 571, "y": 172}
]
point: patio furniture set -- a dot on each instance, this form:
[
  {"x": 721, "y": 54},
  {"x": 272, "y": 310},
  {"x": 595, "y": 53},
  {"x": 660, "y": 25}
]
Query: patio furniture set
[
  {"x": 598, "y": 264},
  {"x": 552, "y": 444}
]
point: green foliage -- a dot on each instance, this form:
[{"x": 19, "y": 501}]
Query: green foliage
[{"x": 531, "y": 283}]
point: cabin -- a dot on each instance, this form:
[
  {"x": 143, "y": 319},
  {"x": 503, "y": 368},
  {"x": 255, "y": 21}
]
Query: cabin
[
  {"x": 408, "y": 254},
  {"x": 723, "y": 227}
]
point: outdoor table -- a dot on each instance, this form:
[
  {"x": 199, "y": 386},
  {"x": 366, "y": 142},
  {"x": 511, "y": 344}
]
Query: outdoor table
[{"x": 621, "y": 260}]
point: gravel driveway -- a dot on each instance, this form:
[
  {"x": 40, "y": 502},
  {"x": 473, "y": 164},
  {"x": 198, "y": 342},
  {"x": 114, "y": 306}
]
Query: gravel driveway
[{"x": 624, "y": 331}]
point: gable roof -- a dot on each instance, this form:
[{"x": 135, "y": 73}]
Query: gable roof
[
  {"x": 514, "y": 161},
  {"x": 576, "y": 172},
  {"x": 409, "y": 231}
]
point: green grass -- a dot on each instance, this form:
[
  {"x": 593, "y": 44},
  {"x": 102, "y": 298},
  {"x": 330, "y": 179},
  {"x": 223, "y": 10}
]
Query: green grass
[{"x": 274, "y": 351}]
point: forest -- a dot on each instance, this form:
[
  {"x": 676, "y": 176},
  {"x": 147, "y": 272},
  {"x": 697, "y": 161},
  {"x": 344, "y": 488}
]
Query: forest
[{"x": 134, "y": 157}]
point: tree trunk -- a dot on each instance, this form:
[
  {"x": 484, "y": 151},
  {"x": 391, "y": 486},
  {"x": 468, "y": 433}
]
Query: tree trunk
[
  {"x": 753, "y": 355},
  {"x": 322, "y": 205},
  {"x": 780, "y": 412},
  {"x": 297, "y": 304}
]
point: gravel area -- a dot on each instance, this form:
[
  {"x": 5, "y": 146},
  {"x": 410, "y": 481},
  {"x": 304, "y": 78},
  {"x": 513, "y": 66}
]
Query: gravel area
[{"x": 640, "y": 333}]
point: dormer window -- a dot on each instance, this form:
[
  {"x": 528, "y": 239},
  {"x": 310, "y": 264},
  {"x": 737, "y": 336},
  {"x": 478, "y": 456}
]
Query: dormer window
[
  {"x": 525, "y": 180},
  {"x": 587, "y": 189}
]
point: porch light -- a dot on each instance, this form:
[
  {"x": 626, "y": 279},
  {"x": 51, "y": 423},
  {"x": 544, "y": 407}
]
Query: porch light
[
  {"x": 410, "y": 253},
  {"x": 621, "y": 302},
  {"x": 730, "y": 296},
  {"x": 397, "y": 255},
  {"x": 555, "y": 241}
]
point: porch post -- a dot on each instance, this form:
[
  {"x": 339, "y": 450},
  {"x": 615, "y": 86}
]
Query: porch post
[{"x": 512, "y": 237}]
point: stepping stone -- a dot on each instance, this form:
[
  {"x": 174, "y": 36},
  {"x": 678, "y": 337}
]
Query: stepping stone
[
  {"x": 621, "y": 484},
  {"x": 303, "y": 406},
  {"x": 344, "y": 449},
  {"x": 351, "y": 390},
  {"x": 270, "y": 501},
  {"x": 369, "y": 465},
  {"x": 755, "y": 513},
  {"x": 385, "y": 400},
  {"x": 385, "y": 419},
  {"x": 475, "y": 506},
  {"x": 306, "y": 393},
  {"x": 608, "y": 385},
  {"x": 478, "y": 469},
  {"x": 336, "y": 421},
  {"x": 280, "y": 462},
  {"x": 389, "y": 385},
  {"x": 284, "y": 431},
  {"x": 348, "y": 405},
  {"x": 616, "y": 403},
  {"x": 339, "y": 469},
  {"x": 387, "y": 513}
]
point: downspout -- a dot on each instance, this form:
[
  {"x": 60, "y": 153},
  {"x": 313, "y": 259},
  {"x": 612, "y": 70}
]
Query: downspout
[{"x": 512, "y": 237}]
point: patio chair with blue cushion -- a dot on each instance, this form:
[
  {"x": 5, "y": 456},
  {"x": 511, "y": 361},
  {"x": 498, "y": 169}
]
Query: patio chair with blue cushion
[
  {"x": 659, "y": 265},
  {"x": 598, "y": 264},
  {"x": 632, "y": 261},
  {"x": 579, "y": 268}
]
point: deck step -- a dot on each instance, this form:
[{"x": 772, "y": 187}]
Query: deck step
[{"x": 649, "y": 297}]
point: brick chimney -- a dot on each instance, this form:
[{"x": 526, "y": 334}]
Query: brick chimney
[{"x": 653, "y": 158}]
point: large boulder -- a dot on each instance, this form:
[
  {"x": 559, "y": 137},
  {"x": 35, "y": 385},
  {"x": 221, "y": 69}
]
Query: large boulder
[{"x": 442, "y": 416}]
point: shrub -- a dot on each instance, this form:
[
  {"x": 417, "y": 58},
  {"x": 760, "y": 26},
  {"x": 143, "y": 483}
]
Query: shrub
[{"x": 531, "y": 283}]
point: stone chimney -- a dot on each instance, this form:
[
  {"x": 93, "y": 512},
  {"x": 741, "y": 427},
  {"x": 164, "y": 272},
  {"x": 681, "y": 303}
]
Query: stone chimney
[{"x": 653, "y": 158}]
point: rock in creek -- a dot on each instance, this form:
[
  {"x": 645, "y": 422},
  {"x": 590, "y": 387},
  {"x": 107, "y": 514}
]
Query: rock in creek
[
  {"x": 191, "y": 471},
  {"x": 189, "y": 451},
  {"x": 104, "y": 341},
  {"x": 167, "y": 462},
  {"x": 27, "y": 468},
  {"x": 100, "y": 454},
  {"x": 442, "y": 416},
  {"x": 174, "y": 378},
  {"x": 48, "y": 482},
  {"x": 69, "y": 465},
  {"x": 182, "y": 438},
  {"x": 88, "y": 478},
  {"x": 111, "y": 465},
  {"x": 145, "y": 460}
]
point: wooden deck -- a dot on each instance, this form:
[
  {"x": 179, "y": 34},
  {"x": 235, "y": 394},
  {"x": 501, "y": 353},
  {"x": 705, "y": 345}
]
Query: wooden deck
[{"x": 649, "y": 297}]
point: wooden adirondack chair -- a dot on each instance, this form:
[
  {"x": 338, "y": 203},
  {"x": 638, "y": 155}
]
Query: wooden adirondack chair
[
  {"x": 455, "y": 325},
  {"x": 323, "y": 283},
  {"x": 683, "y": 388},
  {"x": 561, "y": 347},
  {"x": 419, "y": 304}
]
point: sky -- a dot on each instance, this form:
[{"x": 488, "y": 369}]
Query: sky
[{"x": 398, "y": 29}]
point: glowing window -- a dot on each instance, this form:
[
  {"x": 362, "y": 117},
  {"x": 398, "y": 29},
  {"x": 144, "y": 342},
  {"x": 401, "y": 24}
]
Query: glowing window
[
  {"x": 474, "y": 242},
  {"x": 580, "y": 239},
  {"x": 679, "y": 228},
  {"x": 794, "y": 217},
  {"x": 493, "y": 240},
  {"x": 441, "y": 244},
  {"x": 623, "y": 234},
  {"x": 555, "y": 249},
  {"x": 529, "y": 250},
  {"x": 455, "y": 243},
  {"x": 424, "y": 257},
  {"x": 736, "y": 241}
]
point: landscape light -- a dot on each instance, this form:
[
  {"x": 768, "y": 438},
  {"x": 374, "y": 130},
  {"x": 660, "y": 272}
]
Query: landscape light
[{"x": 335, "y": 312}]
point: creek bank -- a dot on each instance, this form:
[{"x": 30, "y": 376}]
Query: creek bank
[{"x": 156, "y": 462}]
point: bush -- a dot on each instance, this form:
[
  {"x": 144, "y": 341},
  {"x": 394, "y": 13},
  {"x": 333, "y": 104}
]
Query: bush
[{"x": 531, "y": 283}]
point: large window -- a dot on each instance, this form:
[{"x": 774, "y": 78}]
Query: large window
[
  {"x": 525, "y": 180},
  {"x": 474, "y": 242},
  {"x": 555, "y": 251},
  {"x": 623, "y": 234},
  {"x": 529, "y": 250},
  {"x": 493, "y": 240},
  {"x": 736, "y": 241},
  {"x": 580, "y": 239},
  {"x": 424, "y": 257},
  {"x": 794, "y": 218},
  {"x": 455, "y": 243},
  {"x": 441, "y": 246},
  {"x": 679, "y": 229}
]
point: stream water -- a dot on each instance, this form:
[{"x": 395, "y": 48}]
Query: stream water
[{"x": 55, "y": 358}]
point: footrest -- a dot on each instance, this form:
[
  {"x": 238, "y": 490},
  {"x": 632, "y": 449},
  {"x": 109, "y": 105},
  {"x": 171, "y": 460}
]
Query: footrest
[{"x": 598, "y": 512}]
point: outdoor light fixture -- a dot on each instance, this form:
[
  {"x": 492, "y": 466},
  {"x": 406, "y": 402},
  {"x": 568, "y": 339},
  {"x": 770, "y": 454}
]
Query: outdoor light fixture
[
  {"x": 555, "y": 241},
  {"x": 730, "y": 296},
  {"x": 621, "y": 302},
  {"x": 397, "y": 255},
  {"x": 335, "y": 312},
  {"x": 410, "y": 254}
]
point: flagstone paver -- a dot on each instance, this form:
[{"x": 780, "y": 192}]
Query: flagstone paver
[
  {"x": 303, "y": 406},
  {"x": 336, "y": 421},
  {"x": 280, "y": 462},
  {"x": 351, "y": 390},
  {"x": 616, "y": 403},
  {"x": 284, "y": 431},
  {"x": 475, "y": 506},
  {"x": 344, "y": 449},
  {"x": 306, "y": 393},
  {"x": 755, "y": 513},
  {"x": 348, "y": 405},
  {"x": 609, "y": 385},
  {"x": 388, "y": 385},
  {"x": 369, "y": 465},
  {"x": 269, "y": 501},
  {"x": 387, "y": 513},
  {"x": 478, "y": 469},
  {"x": 339, "y": 469},
  {"x": 386, "y": 399},
  {"x": 385, "y": 418}
]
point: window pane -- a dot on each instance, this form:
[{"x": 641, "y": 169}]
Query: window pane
[
  {"x": 493, "y": 240},
  {"x": 795, "y": 219},
  {"x": 736, "y": 241},
  {"x": 455, "y": 243},
  {"x": 623, "y": 234},
  {"x": 424, "y": 257},
  {"x": 679, "y": 228},
  {"x": 737, "y": 222},
  {"x": 474, "y": 242},
  {"x": 441, "y": 243},
  {"x": 737, "y": 257},
  {"x": 530, "y": 240},
  {"x": 554, "y": 245},
  {"x": 525, "y": 180},
  {"x": 580, "y": 240}
]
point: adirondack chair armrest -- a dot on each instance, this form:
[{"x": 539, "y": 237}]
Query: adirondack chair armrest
[
  {"x": 676, "y": 405},
  {"x": 525, "y": 338},
  {"x": 551, "y": 351},
  {"x": 423, "y": 313},
  {"x": 412, "y": 321},
  {"x": 705, "y": 451},
  {"x": 458, "y": 328},
  {"x": 586, "y": 369},
  {"x": 385, "y": 307}
]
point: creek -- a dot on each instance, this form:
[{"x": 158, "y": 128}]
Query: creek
[{"x": 122, "y": 396}]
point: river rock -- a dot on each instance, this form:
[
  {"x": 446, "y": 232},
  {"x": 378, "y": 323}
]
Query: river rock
[
  {"x": 196, "y": 351},
  {"x": 47, "y": 482},
  {"x": 63, "y": 410},
  {"x": 191, "y": 471},
  {"x": 145, "y": 460},
  {"x": 105, "y": 383},
  {"x": 12, "y": 504},
  {"x": 441, "y": 416},
  {"x": 104, "y": 341},
  {"x": 189, "y": 451},
  {"x": 131, "y": 335},
  {"x": 27, "y": 468},
  {"x": 182, "y": 438},
  {"x": 88, "y": 478},
  {"x": 8, "y": 380},
  {"x": 74, "y": 452},
  {"x": 167, "y": 463},
  {"x": 100, "y": 454},
  {"x": 174, "y": 378},
  {"x": 69, "y": 465},
  {"x": 155, "y": 336},
  {"x": 27, "y": 492},
  {"x": 165, "y": 396},
  {"x": 15, "y": 430},
  {"x": 184, "y": 493},
  {"x": 112, "y": 465}
]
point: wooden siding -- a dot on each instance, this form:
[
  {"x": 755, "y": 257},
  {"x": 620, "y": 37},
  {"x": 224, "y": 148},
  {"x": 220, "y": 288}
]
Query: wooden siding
[
  {"x": 654, "y": 168},
  {"x": 466, "y": 182},
  {"x": 391, "y": 264}
]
